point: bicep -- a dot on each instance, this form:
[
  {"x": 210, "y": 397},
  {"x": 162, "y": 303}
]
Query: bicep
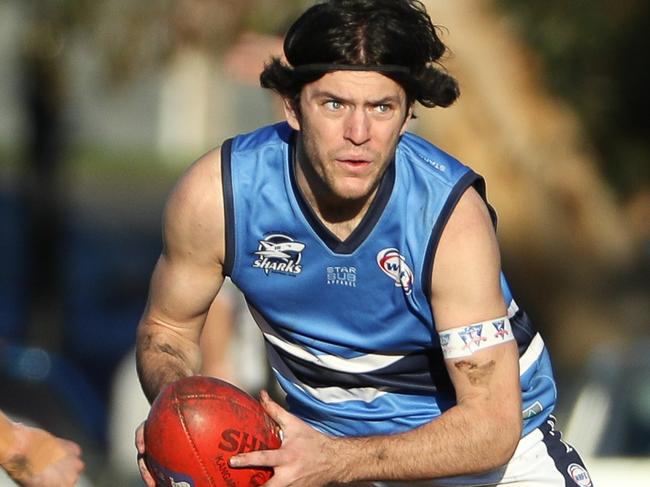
[
  {"x": 189, "y": 272},
  {"x": 180, "y": 295}
]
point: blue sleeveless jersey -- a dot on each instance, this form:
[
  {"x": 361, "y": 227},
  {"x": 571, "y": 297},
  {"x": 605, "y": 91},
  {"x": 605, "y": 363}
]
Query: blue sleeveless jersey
[{"x": 348, "y": 325}]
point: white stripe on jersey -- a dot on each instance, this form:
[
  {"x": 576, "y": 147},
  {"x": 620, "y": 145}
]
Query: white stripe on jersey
[
  {"x": 356, "y": 365},
  {"x": 532, "y": 353}
]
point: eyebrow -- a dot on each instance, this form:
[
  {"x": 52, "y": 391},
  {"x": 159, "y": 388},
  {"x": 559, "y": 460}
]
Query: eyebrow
[{"x": 382, "y": 101}]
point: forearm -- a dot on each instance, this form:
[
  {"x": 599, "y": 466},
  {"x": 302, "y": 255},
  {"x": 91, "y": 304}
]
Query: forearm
[
  {"x": 32, "y": 456},
  {"x": 163, "y": 357},
  {"x": 456, "y": 443},
  {"x": 6, "y": 439}
]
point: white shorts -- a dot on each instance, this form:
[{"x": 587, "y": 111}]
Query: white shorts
[{"x": 541, "y": 459}]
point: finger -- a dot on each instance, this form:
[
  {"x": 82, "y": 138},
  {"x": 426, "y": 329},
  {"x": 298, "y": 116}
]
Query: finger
[
  {"x": 71, "y": 447},
  {"x": 260, "y": 458},
  {"x": 273, "y": 409},
  {"x": 72, "y": 464},
  {"x": 139, "y": 438},
  {"x": 145, "y": 474}
]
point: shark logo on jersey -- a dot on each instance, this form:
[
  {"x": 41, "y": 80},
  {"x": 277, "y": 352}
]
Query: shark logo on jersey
[
  {"x": 279, "y": 253},
  {"x": 394, "y": 266}
]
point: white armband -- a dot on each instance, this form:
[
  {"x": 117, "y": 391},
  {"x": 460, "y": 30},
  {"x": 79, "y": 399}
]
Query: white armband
[{"x": 465, "y": 340}]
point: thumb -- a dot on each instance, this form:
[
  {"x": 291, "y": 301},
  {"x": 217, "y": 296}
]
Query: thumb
[{"x": 139, "y": 438}]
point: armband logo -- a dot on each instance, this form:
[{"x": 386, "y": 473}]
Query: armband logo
[
  {"x": 473, "y": 336},
  {"x": 500, "y": 327},
  {"x": 394, "y": 266}
]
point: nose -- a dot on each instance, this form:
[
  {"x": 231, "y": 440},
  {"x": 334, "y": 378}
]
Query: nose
[{"x": 357, "y": 127}]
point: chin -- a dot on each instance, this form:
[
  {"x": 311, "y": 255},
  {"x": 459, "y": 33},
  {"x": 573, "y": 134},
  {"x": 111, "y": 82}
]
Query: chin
[{"x": 353, "y": 195}]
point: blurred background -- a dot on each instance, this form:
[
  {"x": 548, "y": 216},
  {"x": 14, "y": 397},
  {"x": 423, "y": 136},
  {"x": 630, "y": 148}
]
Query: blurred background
[{"x": 104, "y": 103}]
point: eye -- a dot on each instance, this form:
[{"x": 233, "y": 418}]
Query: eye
[
  {"x": 333, "y": 105},
  {"x": 383, "y": 108}
]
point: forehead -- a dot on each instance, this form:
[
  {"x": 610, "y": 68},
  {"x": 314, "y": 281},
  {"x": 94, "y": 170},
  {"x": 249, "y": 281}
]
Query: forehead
[{"x": 356, "y": 85}]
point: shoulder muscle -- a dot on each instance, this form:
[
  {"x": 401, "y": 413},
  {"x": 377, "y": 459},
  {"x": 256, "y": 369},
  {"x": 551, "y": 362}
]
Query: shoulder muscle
[
  {"x": 465, "y": 282},
  {"x": 193, "y": 224}
]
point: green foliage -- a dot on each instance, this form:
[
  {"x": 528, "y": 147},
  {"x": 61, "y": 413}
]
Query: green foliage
[{"x": 596, "y": 56}]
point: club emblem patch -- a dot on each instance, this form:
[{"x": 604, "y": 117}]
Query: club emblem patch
[
  {"x": 579, "y": 475},
  {"x": 279, "y": 253},
  {"x": 394, "y": 266}
]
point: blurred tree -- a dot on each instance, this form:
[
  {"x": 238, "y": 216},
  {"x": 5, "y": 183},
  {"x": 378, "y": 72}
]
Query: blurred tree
[
  {"x": 567, "y": 245},
  {"x": 595, "y": 55}
]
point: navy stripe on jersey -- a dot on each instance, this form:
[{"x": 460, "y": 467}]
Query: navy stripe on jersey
[
  {"x": 481, "y": 189},
  {"x": 228, "y": 206},
  {"x": 408, "y": 374},
  {"x": 566, "y": 458},
  {"x": 522, "y": 329},
  {"x": 367, "y": 224}
]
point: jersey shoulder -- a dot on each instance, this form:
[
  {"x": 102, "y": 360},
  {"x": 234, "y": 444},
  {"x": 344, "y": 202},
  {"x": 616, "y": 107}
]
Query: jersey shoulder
[{"x": 428, "y": 159}]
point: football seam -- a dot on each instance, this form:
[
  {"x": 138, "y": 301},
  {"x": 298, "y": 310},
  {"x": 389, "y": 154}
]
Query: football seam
[
  {"x": 195, "y": 450},
  {"x": 251, "y": 408}
]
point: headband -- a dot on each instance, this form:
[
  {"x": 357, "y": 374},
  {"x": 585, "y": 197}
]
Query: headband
[{"x": 325, "y": 68}]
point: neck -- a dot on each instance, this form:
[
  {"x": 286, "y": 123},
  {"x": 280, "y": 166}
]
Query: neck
[{"x": 341, "y": 216}]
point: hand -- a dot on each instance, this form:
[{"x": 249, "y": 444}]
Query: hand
[
  {"x": 139, "y": 444},
  {"x": 306, "y": 458},
  {"x": 40, "y": 459}
]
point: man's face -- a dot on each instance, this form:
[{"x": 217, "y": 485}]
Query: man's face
[{"x": 349, "y": 123}]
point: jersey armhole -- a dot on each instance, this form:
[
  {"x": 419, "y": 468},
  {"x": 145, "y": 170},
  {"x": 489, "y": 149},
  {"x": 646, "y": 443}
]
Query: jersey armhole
[
  {"x": 228, "y": 206},
  {"x": 472, "y": 179}
]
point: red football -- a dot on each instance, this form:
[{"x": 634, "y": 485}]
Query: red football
[{"x": 196, "y": 424}]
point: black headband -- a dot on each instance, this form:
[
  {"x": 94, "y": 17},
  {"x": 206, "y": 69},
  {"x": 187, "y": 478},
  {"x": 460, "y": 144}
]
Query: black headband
[{"x": 326, "y": 68}]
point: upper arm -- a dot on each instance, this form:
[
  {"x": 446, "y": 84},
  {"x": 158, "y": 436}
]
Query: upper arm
[
  {"x": 189, "y": 272},
  {"x": 466, "y": 289},
  {"x": 465, "y": 281}
]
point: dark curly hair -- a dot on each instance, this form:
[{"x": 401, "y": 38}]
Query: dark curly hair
[{"x": 395, "y": 37}]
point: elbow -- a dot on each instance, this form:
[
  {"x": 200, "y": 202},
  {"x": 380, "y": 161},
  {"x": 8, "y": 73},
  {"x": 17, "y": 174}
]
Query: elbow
[{"x": 505, "y": 439}]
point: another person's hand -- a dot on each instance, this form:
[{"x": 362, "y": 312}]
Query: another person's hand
[
  {"x": 40, "y": 459},
  {"x": 306, "y": 457},
  {"x": 139, "y": 444}
]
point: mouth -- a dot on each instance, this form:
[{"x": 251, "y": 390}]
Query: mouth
[
  {"x": 355, "y": 161},
  {"x": 354, "y": 167}
]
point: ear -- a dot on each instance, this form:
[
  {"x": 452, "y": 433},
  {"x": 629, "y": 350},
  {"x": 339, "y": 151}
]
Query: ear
[
  {"x": 290, "y": 113},
  {"x": 407, "y": 119}
]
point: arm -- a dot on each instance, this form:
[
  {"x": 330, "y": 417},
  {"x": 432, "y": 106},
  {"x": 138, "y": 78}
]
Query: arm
[
  {"x": 479, "y": 433},
  {"x": 185, "y": 280},
  {"x": 34, "y": 458}
]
